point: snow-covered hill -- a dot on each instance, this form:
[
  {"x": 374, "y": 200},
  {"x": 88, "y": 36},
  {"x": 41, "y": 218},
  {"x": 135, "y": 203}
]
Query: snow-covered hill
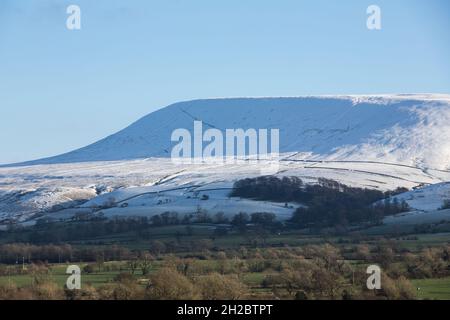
[
  {"x": 381, "y": 142},
  {"x": 428, "y": 198},
  {"x": 406, "y": 129}
]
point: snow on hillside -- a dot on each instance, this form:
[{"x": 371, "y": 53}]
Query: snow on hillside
[
  {"x": 429, "y": 198},
  {"x": 46, "y": 185},
  {"x": 407, "y": 129},
  {"x": 381, "y": 142}
]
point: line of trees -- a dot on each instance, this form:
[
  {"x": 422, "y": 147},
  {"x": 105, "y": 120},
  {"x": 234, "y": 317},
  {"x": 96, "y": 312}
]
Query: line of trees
[
  {"x": 19, "y": 253},
  {"x": 320, "y": 271}
]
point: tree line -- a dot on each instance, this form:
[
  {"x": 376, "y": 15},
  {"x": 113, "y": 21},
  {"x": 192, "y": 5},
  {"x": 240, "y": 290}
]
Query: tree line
[{"x": 326, "y": 203}]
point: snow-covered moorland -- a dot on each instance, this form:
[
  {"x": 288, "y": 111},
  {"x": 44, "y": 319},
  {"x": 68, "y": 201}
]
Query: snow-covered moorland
[{"x": 381, "y": 142}]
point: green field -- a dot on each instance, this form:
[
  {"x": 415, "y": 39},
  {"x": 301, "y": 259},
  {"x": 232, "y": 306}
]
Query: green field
[
  {"x": 59, "y": 276},
  {"x": 272, "y": 264},
  {"x": 433, "y": 288}
]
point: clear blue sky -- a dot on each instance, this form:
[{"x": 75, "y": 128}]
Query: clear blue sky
[{"x": 61, "y": 89}]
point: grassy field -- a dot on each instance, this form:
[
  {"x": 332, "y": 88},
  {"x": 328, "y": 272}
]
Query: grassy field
[
  {"x": 433, "y": 288},
  {"x": 59, "y": 276},
  {"x": 200, "y": 247}
]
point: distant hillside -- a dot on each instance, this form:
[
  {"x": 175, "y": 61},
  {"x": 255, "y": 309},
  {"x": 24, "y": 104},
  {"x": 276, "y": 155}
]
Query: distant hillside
[{"x": 407, "y": 129}]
